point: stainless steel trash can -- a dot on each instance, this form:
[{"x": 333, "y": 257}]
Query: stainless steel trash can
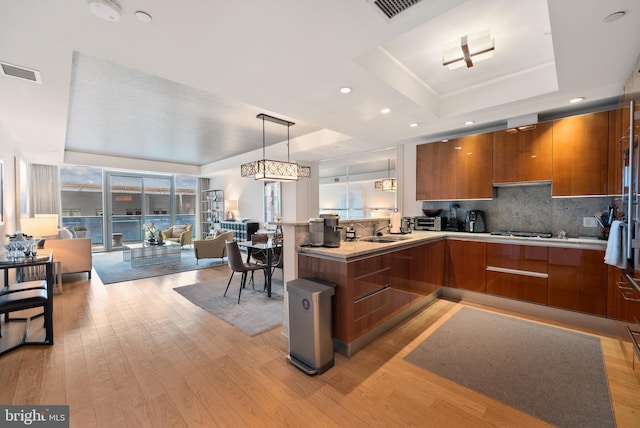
[{"x": 310, "y": 338}]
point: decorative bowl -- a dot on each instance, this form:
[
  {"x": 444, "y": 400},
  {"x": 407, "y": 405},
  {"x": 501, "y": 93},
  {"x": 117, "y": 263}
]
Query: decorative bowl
[{"x": 432, "y": 213}]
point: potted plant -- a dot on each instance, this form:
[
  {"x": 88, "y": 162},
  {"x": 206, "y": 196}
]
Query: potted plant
[{"x": 81, "y": 231}]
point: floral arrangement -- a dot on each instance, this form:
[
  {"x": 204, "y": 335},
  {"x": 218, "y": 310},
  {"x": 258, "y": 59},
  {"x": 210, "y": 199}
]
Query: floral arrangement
[{"x": 150, "y": 230}]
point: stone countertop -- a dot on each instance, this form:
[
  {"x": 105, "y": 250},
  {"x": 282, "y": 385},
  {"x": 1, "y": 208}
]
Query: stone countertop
[{"x": 351, "y": 250}]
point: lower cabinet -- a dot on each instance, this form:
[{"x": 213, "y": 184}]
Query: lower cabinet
[
  {"x": 517, "y": 271},
  {"x": 427, "y": 267},
  {"x": 467, "y": 265},
  {"x": 370, "y": 291},
  {"x": 578, "y": 280},
  {"x": 623, "y": 300}
]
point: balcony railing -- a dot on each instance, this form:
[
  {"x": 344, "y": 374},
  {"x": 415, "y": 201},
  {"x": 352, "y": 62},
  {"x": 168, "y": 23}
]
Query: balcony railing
[{"x": 131, "y": 226}]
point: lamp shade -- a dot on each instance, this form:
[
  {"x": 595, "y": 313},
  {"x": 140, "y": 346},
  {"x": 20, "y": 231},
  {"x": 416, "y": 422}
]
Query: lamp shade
[
  {"x": 40, "y": 226},
  {"x": 232, "y": 209}
]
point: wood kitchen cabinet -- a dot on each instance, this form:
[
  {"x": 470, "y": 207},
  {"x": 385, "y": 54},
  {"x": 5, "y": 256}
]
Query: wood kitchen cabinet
[
  {"x": 580, "y": 155},
  {"x": 618, "y": 125},
  {"x": 524, "y": 155},
  {"x": 467, "y": 265},
  {"x": 517, "y": 271},
  {"x": 368, "y": 291},
  {"x": 578, "y": 280},
  {"x": 435, "y": 171},
  {"x": 474, "y": 166},
  {"x": 456, "y": 169},
  {"x": 427, "y": 267},
  {"x": 623, "y": 301}
]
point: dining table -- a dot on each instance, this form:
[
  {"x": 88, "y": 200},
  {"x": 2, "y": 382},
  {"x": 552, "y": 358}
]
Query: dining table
[{"x": 268, "y": 248}]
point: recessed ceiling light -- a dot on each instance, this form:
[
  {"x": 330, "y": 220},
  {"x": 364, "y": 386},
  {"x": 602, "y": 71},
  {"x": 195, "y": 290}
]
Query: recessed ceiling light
[
  {"x": 105, "y": 9},
  {"x": 615, "y": 16},
  {"x": 445, "y": 141},
  {"x": 345, "y": 90},
  {"x": 143, "y": 16},
  {"x": 469, "y": 122},
  {"x": 385, "y": 110},
  {"x": 576, "y": 100},
  {"x": 413, "y": 125}
]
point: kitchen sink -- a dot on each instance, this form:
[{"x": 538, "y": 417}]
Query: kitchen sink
[{"x": 384, "y": 238}]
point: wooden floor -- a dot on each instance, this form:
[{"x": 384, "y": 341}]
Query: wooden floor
[{"x": 138, "y": 354}]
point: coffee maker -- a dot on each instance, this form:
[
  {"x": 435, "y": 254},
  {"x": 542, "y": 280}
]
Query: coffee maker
[{"x": 331, "y": 230}]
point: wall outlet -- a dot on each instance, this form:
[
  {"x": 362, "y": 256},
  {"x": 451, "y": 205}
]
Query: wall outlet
[{"x": 589, "y": 222}]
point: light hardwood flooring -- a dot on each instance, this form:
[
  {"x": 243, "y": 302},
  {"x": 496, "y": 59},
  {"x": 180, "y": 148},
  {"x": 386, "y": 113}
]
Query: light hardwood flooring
[{"x": 136, "y": 354}]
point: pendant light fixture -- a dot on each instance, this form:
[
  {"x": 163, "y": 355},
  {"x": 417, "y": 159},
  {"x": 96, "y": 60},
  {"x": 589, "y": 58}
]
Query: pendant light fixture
[
  {"x": 271, "y": 170},
  {"x": 388, "y": 184}
]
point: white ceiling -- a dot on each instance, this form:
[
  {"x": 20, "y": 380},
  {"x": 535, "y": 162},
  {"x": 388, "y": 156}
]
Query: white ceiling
[{"x": 185, "y": 89}]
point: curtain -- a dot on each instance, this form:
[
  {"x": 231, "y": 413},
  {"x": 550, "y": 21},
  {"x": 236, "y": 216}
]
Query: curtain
[{"x": 44, "y": 189}]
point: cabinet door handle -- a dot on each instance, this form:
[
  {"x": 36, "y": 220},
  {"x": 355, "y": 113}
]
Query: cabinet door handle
[
  {"x": 623, "y": 285},
  {"x": 629, "y": 299},
  {"x": 365, "y": 296}
]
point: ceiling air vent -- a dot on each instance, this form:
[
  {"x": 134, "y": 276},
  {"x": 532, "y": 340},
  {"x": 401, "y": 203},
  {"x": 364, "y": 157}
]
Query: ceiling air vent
[
  {"x": 391, "y": 8},
  {"x": 20, "y": 72}
]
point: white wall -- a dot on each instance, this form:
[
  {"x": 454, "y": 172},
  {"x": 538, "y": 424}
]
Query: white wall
[
  {"x": 8, "y": 157},
  {"x": 407, "y": 165},
  {"x": 247, "y": 191}
]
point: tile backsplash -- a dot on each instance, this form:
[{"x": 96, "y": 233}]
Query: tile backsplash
[{"x": 531, "y": 209}]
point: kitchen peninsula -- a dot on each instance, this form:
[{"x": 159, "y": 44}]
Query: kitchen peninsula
[{"x": 380, "y": 284}]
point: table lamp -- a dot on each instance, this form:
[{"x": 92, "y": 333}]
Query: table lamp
[{"x": 232, "y": 209}]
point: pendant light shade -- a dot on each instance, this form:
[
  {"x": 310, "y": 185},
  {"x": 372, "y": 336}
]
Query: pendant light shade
[
  {"x": 271, "y": 170},
  {"x": 388, "y": 184}
]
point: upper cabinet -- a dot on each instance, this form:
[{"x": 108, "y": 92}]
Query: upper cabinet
[
  {"x": 618, "y": 126},
  {"x": 456, "y": 169},
  {"x": 523, "y": 155},
  {"x": 435, "y": 171},
  {"x": 580, "y": 153}
]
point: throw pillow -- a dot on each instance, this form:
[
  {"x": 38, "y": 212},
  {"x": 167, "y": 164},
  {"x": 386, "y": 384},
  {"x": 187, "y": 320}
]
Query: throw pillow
[{"x": 177, "y": 230}]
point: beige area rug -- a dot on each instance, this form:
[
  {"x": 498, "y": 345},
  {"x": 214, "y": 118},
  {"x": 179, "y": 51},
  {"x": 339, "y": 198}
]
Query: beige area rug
[
  {"x": 254, "y": 314},
  {"x": 550, "y": 373}
]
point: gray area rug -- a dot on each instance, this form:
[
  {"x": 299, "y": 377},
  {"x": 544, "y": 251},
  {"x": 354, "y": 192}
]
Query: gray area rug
[
  {"x": 254, "y": 314},
  {"x": 110, "y": 267},
  {"x": 552, "y": 374}
]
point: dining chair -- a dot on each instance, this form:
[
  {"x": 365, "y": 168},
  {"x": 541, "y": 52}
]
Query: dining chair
[
  {"x": 260, "y": 256},
  {"x": 234, "y": 259}
]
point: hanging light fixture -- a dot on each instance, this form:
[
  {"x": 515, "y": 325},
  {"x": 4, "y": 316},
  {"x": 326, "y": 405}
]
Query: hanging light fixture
[
  {"x": 388, "y": 184},
  {"x": 272, "y": 170}
]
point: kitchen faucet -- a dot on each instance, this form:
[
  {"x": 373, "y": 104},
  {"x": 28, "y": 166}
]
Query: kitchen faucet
[{"x": 377, "y": 232}]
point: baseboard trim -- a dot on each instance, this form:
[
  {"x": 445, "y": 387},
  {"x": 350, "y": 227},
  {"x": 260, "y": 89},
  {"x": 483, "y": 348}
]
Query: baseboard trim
[{"x": 593, "y": 322}]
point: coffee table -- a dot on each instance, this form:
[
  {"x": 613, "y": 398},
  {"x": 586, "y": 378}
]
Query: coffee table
[{"x": 145, "y": 254}]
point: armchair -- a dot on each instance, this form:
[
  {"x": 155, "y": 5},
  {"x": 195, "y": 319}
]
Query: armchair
[
  {"x": 180, "y": 233},
  {"x": 213, "y": 247}
]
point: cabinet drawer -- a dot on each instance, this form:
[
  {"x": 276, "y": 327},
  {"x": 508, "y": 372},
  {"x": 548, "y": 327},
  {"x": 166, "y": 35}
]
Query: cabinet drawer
[
  {"x": 517, "y": 286},
  {"x": 373, "y": 303},
  {"x": 367, "y": 284},
  {"x": 519, "y": 257}
]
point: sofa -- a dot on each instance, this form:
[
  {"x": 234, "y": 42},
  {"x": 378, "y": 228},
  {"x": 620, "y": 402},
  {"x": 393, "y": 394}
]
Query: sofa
[
  {"x": 180, "y": 233},
  {"x": 73, "y": 254},
  {"x": 213, "y": 247}
]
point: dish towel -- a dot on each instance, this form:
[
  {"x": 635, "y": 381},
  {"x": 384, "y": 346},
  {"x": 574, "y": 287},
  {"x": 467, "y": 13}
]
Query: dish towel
[{"x": 616, "y": 253}]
